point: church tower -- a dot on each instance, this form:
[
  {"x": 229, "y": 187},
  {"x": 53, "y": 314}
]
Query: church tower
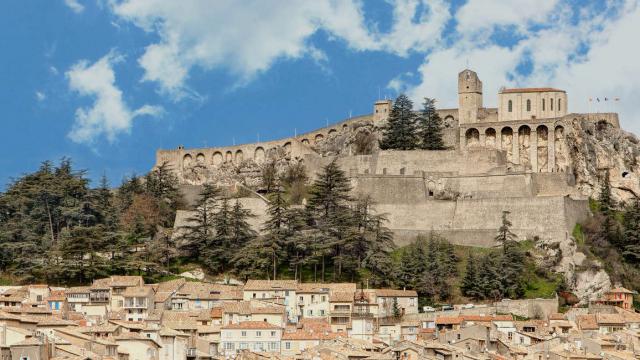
[{"x": 469, "y": 96}]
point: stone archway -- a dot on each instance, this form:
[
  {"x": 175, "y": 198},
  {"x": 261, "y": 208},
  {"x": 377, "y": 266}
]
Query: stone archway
[
  {"x": 560, "y": 149},
  {"x": 542, "y": 134},
  {"x": 228, "y": 157},
  {"x": 239, "y": 158},
  {"x": 472, "y": 137},
  {"x": 506, "y": 141},
  {"x": 187, "y": 161},
  {"x": 524, "y": 145},
  {"x": 217, "y": 158},
  {"x": 258, "y": 155},
  {"x": 200, "y": 159},
  {"x": 490, "y": 138}
]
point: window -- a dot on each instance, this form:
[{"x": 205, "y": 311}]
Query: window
[
  {"x": 273, "y": 334},
  {"x": 322, "y": 312},
  {"x": 301, "y": 298},
  {"x": 243, "y": 345},
  {"x": 324, "y": 298},
  {"x": 287, "y": 345},
  {"x": 510, "y": 335},
  {"x": 458, "y": 336},
  {"x": 286, "y": 293},
  {"x": 38, "y": 298},
  {"x": 313, "y": 298},
  {"x": 510, "y": 105},
  {"x": 254, "y": 295},
  {"x": 273, "y": 346},
  {"x": 551, "y": 104},
  {"x": 543, "y": 107},
  {"x": 309, "y": 312},
  {"x": 258, "y": 333},
  {"x": 559, "y": 104},
  {"x": 243, "y": 334},
  {"x": 528, "y": 105}
]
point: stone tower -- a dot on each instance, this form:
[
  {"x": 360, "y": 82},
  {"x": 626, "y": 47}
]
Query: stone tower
[
  {"x": 469, "y": 96},
  {"x": 381, "y": 111}
]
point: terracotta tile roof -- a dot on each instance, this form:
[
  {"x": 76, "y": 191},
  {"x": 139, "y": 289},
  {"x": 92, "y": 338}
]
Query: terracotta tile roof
[
  {"x": 216, "y": 313},
  {"x": 303, "y": 334},
  {"x": 448, "y": 320},
  {"x": 619, "y": 289},
  {"x": 137, "y": 291},
  {"x": 587, "y": 322},
  {"x": 487, "y": 318},
  {"x": 270, "y": 285},
  {"x": 530, "y": 90},
  {"x": 305, "y": 288},
  {"x": 341, "y": 296},
  {"x": 78, "y": 290},
  {"x": 609, "y": 319},
  {"x": 209, "y": 329},
  {"x": 395, "y": 293},
  {"x": 557, "y": 316},
  {"x": 251, "y": 325}
]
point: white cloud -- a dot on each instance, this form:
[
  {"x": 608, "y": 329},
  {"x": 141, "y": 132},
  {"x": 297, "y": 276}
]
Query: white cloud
[
  {"x": 40, "y": 96},
  {"x": 591, "y": 56},
  {"x": 482, "y": 15},
  {"x": 108, "y": 115},
  {"x": 249, "y": 39},
  {"x": 74, "y": 5}
]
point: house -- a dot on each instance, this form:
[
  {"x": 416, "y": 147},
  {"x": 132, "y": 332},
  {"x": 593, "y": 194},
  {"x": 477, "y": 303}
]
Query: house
[
  {"x": 57, "y": 302},
  {"x": 273, "y": 289},
  {"x": 307, "y": 334},
  {"x": 619, "y": 297},
  {"x": 340, "y": 307},
  {"x": 406, "y": 300},
  {"x": 138, "y": 302},
  {"x": 138, "y": 347},
  {"x": 12, "y": 297},
  {"x": 77, "y": 297},
  {"x": 608, "y": 323},
  {"x": 250, "y": 335},
  {"x": 448, "y": 322}
]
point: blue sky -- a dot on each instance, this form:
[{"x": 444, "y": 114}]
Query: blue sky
[{"x": 107, "y": 82}]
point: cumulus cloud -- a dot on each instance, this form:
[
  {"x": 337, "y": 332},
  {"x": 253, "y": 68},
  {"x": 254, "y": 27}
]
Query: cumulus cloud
[
  {"x": 586, "y": 52},
  {"x": 108, "y": 115},
  {"x": 74, "y": 5},
  {"x": 40, "y": 96},
  {"x": 249, "y": 39}
]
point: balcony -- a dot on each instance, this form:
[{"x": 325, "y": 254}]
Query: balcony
[
  {"x": 99, "y": 298},
  {"x": 135, "y": 304}
]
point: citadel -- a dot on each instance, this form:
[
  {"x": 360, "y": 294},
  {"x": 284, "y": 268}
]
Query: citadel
[{"x": 520, "y": 156}]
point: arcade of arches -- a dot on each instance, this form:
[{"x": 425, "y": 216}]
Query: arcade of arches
[{"x": 537, "y": 148}]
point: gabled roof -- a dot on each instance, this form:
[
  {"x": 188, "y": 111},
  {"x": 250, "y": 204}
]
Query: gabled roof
[
  {"x": 270, "y": 285},
  {"x": 395, "y": 293},
  {"x": 529, "y": 90},
  {"x": 251, "y": 325}
]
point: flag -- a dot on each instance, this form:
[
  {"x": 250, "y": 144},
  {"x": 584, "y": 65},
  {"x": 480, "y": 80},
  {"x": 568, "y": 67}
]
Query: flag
[
  {"x": 598, "y": 99},
  {"x": 605, "y": 99},
  {"x": 617, "y": 99}
]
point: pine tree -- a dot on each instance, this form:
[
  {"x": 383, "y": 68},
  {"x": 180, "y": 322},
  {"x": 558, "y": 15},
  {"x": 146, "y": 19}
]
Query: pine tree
[
  {"x": 400, "y": 133},
  {"x": 489, "y": 278},
  {"x": 631, "y": 226},
  {"x": 471, "y": 279},
  {"x": 396, "y": 309},
  {"x": 430, "y": 126},
  {"x": 162, "y": 184},
  {"x": 199, "y": 236},
  {"x": 275, "y": 230},
  {"x": 329, "y": 203},
  {"x": 505, "y": 236},
  {"x": 511, "y": 271}
]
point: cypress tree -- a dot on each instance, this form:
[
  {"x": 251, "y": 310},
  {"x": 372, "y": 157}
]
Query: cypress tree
[
  {"x": 430, "y": 126},
  {"x": 400, "y": 133}
]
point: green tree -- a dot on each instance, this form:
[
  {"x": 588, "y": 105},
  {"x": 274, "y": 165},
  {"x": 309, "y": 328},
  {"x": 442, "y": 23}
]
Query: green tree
[
  {"x": 505, "y": 236},
  {"x": 400, "y": 133},
  {"x": 275, "y": 228},
  {"x": 631, "y": 226},
  {"x": 397, "y": 314},
  {"x": 471, "y": 279},
  {"x": 430, "y": 126},
  {"x": 199, "y": 234},
  {"x": 329, "y": 205},
  {"x": 162, "y": 184}
]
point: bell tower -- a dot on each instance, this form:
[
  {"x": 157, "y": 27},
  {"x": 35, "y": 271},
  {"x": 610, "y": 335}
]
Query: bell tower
[{"x": 469, "y": 96}]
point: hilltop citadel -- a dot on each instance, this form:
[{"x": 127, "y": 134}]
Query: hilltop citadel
[{"x": 515, "y": 157}]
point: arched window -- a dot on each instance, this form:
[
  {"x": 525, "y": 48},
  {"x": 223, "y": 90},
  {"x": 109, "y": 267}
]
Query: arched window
[
  {"x": 528, "y": 105},
  {"x": 510, "y": 106},
  {"x": 543, "y": 105},
  {"x": 551, "y": 104},
  {"x": 559, "y": 104}
]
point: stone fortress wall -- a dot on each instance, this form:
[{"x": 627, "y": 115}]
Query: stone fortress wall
[{"x": 511, "y": 158}]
